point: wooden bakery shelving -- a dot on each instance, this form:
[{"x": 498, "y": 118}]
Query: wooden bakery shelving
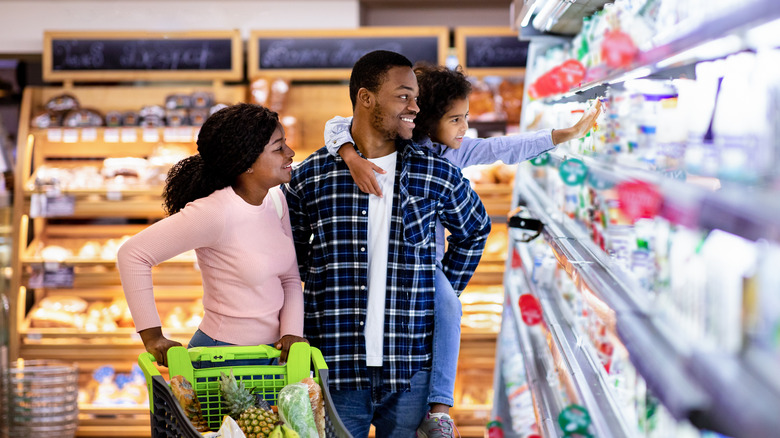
[{"x": 105, "y": 212}]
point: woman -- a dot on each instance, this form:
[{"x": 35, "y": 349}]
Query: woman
[
  {"x": 223, "y": 203},
  {"x": 440, "y": 126}
]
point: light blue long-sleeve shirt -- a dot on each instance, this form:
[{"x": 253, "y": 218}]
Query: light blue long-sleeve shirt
[{"x": 510, "y": 149}]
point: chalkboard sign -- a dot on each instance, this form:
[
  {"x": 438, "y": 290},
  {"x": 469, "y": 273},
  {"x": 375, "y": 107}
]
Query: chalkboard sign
[
  {"x": 495, "y": 51},
  {"x": 307, "y": 54},
  {"x": 169, "y": 54},
  {"x": 491, "y": 50},
  {"x": 319, "y": 53},
  {"x": 142, "y": 55}
]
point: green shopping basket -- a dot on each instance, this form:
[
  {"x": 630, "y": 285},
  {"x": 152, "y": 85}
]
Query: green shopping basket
[{"x": 168, "y": 420}]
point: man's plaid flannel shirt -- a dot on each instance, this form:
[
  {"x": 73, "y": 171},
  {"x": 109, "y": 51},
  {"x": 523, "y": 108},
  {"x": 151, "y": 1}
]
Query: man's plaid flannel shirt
[{"x": 329, "y": 217}]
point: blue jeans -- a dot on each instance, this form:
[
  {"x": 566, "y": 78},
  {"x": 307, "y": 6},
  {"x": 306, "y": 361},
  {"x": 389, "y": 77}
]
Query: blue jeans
[
  {"x": 200, "y": 339},
  {"x": 393, "y": 414},
  {"x": 447, "y": 313}
]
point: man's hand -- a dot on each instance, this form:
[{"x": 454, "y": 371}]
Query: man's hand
[
  {"x": 362, "y": 170},
  {"x": 284, "y": 344},
  {"x": 157, "y": 344}
]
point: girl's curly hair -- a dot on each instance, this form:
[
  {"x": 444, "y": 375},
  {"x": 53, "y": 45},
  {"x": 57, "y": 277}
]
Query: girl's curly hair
[
  {"x": 229, "y": 142},
  {"x": 439, "y": 86}
]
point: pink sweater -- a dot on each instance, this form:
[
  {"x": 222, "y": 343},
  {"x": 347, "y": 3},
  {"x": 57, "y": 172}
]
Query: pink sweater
[{"x": 251, "y": 287}]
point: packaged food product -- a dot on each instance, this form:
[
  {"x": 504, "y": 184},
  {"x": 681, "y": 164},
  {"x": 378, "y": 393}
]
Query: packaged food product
[
  {"x": 82, "y": 118},
  {"x": 317, "y": 405},
  {"x": 295, "y": 409}
]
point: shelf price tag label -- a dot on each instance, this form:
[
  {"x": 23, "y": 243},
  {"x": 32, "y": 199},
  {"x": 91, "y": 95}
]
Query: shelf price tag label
[
  {"x": 541, "y": 160},
  {"x": 574, "y": 419},
  {"x": 111, "y": 135},
  {"x": 52, "y": 205},
  {"x": 51, "y": 275},
  {"x": 89, "y": 134},
  {"x": 573, "y": 172},
  {"x": 70, "y": 135},
  {"x": 151, "y": 135},
  {"x": 530, "y": 309},
  {"x": 54, "y": 134},
  {"x": 129, "y": 135}
]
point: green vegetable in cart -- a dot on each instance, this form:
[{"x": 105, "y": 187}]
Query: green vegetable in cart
[
  {"x": 253, "y": 420},
  {"x": 295, "y": 409},
  {"x": 188, "y": 400}
]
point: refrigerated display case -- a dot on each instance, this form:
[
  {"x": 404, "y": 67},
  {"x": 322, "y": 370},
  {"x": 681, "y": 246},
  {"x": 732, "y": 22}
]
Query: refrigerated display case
[{"x": 657, "y": 309}]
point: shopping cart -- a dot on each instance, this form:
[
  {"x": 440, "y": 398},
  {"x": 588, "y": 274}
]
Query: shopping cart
[{"x": 169, "y": 420}]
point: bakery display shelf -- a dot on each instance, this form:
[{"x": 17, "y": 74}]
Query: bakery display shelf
[
  {"x": 110, "y": 194},
  {"x": 121, "y": 336},
  {"x": 184, "y": 260},
  {"x": 76, "y": 245},
  {"x": 101, "y": 276},
  {"x": 109, "y": 142},
  {"x": 163, "y": 294},
  {"x": 141, "y": 207},
  {"x": 115, "y": 426},
  {"x": 487, "y": 273},
  {"x": 489, "y": 189}
]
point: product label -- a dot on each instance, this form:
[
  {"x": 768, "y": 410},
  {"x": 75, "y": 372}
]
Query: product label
[
  {"x": 639, "y": 199},
  {"x": 530, "y": 309},
  {"x": 517, "y": 261},
  {"x": 574, "y": 419},
  {"x": 599, "y": 182},
  {"x": 573, "y": 172},
  {"x": 541, "y": 160}
]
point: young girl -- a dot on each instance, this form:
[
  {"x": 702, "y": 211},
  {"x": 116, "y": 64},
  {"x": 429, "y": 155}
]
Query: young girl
[{"x": 440, "y": 126}]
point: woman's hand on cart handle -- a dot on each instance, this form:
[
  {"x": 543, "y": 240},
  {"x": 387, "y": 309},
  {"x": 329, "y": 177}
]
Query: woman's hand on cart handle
[
  {"x": 284, "y": 344},
  {"x": 157, "y": 344}
]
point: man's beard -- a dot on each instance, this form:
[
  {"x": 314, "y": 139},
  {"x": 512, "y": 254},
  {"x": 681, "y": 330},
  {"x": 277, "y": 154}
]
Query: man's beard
[{"x": 378, "y": 119}]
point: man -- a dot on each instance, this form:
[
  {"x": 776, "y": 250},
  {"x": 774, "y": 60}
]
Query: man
[{"x": 368, "y": 263}]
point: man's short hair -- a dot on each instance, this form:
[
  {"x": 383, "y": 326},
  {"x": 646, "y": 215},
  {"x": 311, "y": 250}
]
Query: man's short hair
[{"x": 369, "y": 71}]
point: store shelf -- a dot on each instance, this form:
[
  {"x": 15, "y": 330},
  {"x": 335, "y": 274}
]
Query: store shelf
[
  {"x": 581, "y": 362},
  {"x": 696, "y": 204},
  {"x": 674, "y": 47},
  {"x": 538, "y": 367},
  {"x": 704, "y": 386},
  {"x": 102, "y": 421}
]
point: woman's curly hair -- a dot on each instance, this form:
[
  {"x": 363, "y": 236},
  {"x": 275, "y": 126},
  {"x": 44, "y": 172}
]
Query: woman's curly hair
[
  {"x": 229, "y": 142},
  {"x": 439, "y": 87}
]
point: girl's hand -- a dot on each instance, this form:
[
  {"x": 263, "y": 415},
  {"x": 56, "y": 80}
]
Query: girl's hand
[
  {"x": 285, "y": 343},
  {"x": 362, "y": 170},
  {"x": 586, "y": 122}
]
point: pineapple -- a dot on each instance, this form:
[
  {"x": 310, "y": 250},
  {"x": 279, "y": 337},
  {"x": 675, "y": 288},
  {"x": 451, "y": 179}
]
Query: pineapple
[
  {"x": 254, "y": 421},
  {"x": 257, "y": 422},
  {"x": 182, "y": 390}
]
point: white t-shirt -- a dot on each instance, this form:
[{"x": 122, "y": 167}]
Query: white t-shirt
[{"x": 379, "y": 213}]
